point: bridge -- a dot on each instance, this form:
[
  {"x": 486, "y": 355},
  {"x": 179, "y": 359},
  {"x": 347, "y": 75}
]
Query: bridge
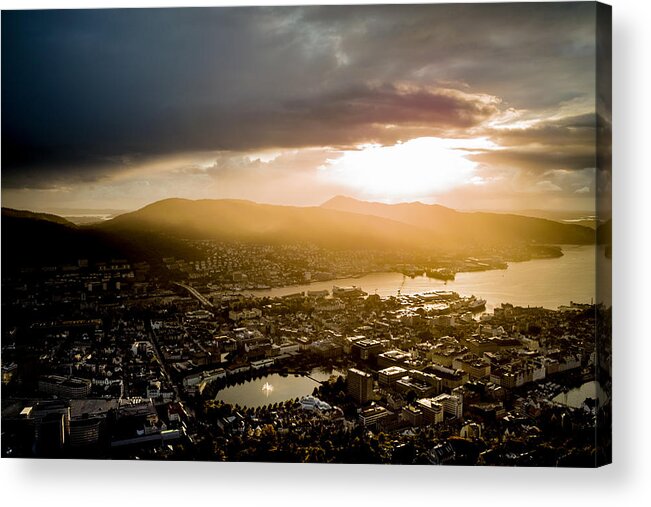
[{"x": 196, "y": 294}]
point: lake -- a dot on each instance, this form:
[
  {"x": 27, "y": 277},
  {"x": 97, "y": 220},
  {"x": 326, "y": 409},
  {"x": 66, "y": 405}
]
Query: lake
[
  {"x": 253, "y": 393},
  {"x": 544, "y": 282},
  {"x": 575, "y": 397}
]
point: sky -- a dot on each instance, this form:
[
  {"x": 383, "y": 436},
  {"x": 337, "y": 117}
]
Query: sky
[{"x": 474, "y": 106}]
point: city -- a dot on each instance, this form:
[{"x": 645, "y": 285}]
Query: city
[
  {"x": 346, "y": 234},
  {"x": 127, "y": 361}
]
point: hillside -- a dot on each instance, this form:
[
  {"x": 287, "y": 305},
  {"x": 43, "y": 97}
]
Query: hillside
[
  {"x": 161, "y": 228},
  {"x": 46, "y": 217},
  {"x": 469, "y": 227},
  {"x": 236, "y": 220},
  {"x": 37, "y": 239}
]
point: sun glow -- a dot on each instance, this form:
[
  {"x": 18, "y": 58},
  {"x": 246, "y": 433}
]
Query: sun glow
[{"x": 416, "y": 169}]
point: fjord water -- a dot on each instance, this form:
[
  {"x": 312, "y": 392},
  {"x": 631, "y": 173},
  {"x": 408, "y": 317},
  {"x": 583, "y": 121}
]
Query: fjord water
[
  {"x": 543, "y": 282},
  {"x": 546, "y": 282}
]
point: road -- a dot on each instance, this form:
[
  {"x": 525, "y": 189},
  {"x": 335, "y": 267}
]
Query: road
[
  {"x": 195, "y": 293},
  {"x": 153, "y": 338}
]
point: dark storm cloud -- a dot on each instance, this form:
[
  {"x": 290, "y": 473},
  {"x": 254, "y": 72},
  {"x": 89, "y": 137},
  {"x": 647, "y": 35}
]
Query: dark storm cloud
[
  {"x": 345, "y": 119},
  {"x": 88, "y": 93}
]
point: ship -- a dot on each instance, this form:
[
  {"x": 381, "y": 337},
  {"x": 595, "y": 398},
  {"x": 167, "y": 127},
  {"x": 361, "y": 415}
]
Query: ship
[
  {"x": 441, "y": 274},
  {"x": 476, "y": 304},
  {"x": 438, "y": 294}
]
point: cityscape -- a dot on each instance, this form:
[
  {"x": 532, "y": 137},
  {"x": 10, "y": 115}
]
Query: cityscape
[
  {"x": 123, "y": 359},
  {"x": 399, "y": 264}
]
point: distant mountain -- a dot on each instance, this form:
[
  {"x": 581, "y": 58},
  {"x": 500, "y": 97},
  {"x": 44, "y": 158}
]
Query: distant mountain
[
  {"x": 586, "y": 218},
  {"x": 238, "y": 220},
  {"x": 446, "y": 224},
  {"x": 46, "y": 217},
  {"x": 39, "y": 239},
  {"x": 160, "y": 229}
]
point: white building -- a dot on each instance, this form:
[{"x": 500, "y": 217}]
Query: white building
[
  {"x": 452, "y": 405},
  {"x": 312, "y": 403}
]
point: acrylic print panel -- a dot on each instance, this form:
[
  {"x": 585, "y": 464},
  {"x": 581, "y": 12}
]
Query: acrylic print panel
[{"x": 339, "y": 234}]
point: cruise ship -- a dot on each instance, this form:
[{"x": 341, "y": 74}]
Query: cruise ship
[{"x": 439, "y": 294}]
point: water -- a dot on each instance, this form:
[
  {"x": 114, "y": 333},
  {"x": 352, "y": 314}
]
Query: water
[
  {"x": 545, "y": 282},
  {"x": 254, "y": 394},
  {"x": 575, "y": 397}
]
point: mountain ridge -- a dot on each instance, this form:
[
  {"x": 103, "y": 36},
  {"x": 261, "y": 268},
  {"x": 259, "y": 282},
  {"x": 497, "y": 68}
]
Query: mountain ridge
[
  {"x": 32, "y": 215},
  {"x": 241, "y": 220},
  {"x": 162, "y": 229},
  {"x": 481, "y": 226},
  {"x": 38, "y": 241}
]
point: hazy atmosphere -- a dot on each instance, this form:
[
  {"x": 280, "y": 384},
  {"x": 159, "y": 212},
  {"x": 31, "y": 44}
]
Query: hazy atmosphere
[{"x": 353, "y": 234}]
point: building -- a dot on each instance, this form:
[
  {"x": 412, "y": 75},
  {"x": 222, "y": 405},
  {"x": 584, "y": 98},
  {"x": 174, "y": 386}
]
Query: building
[
  {"x": 389, "y": 376},
  {"x": 8, "y": 372},
  {"x": 449, "y": 378},
  {"x": 349, "y": 341},
  {"x": 312, "y": 403},
  {"x": 393, "y": 358},
  {"x": 452, "y": 404},
  {"x": 85, "y": 431},
  {"x": 359, "y": 385},
  {"x": 441, "y": 454},
  {"x": 446, "y": 350},
  {"x": 141, "y": 408},
  {"x": 326, "y": 349},
  {"x": 329, "y": 305},
  {"x": 367, "y": 348},
  {"x": 370, "y": 416},
  {"x": 412, "y": 415},
  {"x": 253, "y": 313},
  {"x": 200, "y": 380},
  {"x": 478, "y": 344},
  {"x": 420, "y": 383},
  {"x": 516, "y": 375},
  {"x": 288, "y": 348},
  {"x": 318, "y": 293},
  {"x": 88, "y": 420},
  {"x": 432, "y": 411},
  {"x": 42, "y": 427},
  {"x": 475, "y": 367},
  {"x": 65, "y": 387}
]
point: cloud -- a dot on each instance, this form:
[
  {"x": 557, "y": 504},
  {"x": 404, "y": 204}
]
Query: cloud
[
  {"x": 344, "y": 119},
  {"x": 83, "y": 91},
  {"x": 546, "y": 186},
  {"x": 538, "y": 159},
  {"x": 579, "y": 130}
]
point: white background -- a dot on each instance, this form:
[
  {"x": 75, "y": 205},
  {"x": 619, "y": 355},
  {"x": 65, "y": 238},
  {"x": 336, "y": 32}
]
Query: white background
[{"x": 626, "y": 482}]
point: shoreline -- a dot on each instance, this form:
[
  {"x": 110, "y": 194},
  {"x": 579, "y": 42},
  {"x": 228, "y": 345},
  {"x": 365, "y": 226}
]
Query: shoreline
[
  {"x": 423, "y": 273},
  {"x": 495, "y": 285}
]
